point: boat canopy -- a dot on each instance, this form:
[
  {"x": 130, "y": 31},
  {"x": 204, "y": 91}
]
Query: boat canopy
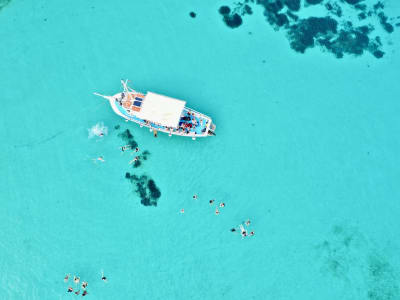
[{"x": 161, "y": 109}]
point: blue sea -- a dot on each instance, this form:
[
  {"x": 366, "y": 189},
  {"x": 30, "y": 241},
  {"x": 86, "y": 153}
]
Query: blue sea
[{"x": 305, "y": 97}]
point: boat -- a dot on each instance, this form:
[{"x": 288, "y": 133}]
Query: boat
[{"x": 160, "y": 113}]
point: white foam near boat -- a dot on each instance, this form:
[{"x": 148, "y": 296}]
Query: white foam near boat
[{"x": 160, "y": 113}]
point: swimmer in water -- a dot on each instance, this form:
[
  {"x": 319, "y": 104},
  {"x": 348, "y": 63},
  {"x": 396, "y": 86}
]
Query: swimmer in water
[
  {"x": 137, "y": 149},
  {"x": 243, "y": 231},
  {"x": 84, "y": 293},
  {"x": 222, "y": 204},
  {"x": 104, "y": 278},
  {"x": 211, "y": 201},
  {"x": 217, "y": 211},
  {"x": 66, "y": 278},
  {"x": 133, "y": 160},
  {"x": 100, "y": 158},
  {"x": 76, "y": 279},
  {"x": 194, "y": 196},
  {"x": 182, "y": 211},
  {"x": 247, "y": 222},
  {"x": 70, "y": 289},
  {"x": 84, "y": 285},
  {"x": 77, "y": 292},
  {"x": 126, "y": 147},
  {"x": 252, "y": 233},
  {"x": 233, "y": 230}
]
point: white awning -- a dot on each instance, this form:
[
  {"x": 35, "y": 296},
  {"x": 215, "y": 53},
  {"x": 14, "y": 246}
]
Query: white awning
[{"x": 161, "y": 109}]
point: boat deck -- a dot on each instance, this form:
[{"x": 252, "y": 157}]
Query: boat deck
[{"x": 191, "y": 122}]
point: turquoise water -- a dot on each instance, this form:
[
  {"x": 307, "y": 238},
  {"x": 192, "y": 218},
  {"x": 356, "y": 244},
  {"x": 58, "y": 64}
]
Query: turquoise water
[{"x": 307, "y": 148}]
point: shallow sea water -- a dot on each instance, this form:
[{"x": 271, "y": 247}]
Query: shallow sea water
[{"x": 307, "y": 148}]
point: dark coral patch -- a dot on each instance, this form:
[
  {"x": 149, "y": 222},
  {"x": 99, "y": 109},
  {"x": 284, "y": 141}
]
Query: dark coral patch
[
  {"x": 145, "y": 155},
  {"x": 362, "y": 7},
  {"x": 128, "y": 138},
  {"x": 383, "y": 20},
  {"x": 146, "y": 188},
  {"x": 334, "y": 9},
  {"x": 233, "y": 18},
  {"x": 224, "y": 10},
  {"x": 292, "y": 16},
  {"x": 314, "y": 2},
  {"x": 304, "y": 34},
  {"x": 137, "y": 163},
  {"x": 353, "y": 2},
  {"x": 233, "y": 21},
  {"x": 153, "y": 189},
  {"x": 378, "y": 6},
  {"x": 351, "y": 41},
  {"x": 295, "y": 4},
  {"x": 331, "y": 33},
  {"x": 247, "y": 10},
  {"x": 4, "y": 3},
  {"x": 362, "y": 16}
]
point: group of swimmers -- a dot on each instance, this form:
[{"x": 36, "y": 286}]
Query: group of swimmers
[
  {"x": 129, "y": 147},
  {"x": 221, "y": 205},
  {"x": 84, "y": 284},
  {"x": 123, "y": 149},
  {"x": 243, "y": 231}
]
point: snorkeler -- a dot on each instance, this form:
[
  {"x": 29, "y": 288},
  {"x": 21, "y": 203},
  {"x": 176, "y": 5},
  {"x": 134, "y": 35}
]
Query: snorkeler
[
  {"x": 104, "y": 278},
  {"x": 100, "y": 158},
  {"x": 133, "y": 160},
  {"x": 243, "y": 231},
  {"x": 66, "y": 278}
]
